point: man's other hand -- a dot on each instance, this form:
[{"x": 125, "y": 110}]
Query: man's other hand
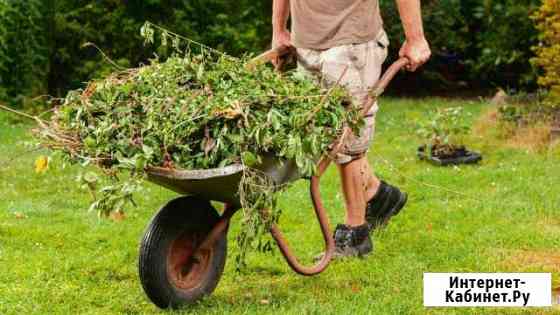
[
  {"x": 281, "y": 38},
  {"x": 417, "y": 51}
]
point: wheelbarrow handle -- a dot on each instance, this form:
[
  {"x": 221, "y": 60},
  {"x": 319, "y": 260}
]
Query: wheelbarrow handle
[
  {"x": 269, "y": 56},
  {"x": 382, "y": 84},
  {"x": 324, "y": 163}
]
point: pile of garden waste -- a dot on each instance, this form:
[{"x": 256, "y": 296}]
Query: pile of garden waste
[{"x": 194, "y": 111}]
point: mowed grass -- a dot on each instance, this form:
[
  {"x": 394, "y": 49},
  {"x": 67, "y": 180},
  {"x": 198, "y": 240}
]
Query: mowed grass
[{"x": 500, "y": 216}]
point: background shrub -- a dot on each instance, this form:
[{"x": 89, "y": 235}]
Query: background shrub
[
  {"x": 479, "y": 43},
  {"x": 42, "y": 42},
  {"x": 114, "y": 27},
  {"x": 548, "y": 50},
  {"x": 503, "y": 35},
  {"x": 23, "y": 49}
]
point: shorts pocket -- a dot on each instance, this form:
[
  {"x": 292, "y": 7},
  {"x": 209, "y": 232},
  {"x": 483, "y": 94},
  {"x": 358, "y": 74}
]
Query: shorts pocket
[
  {"x": 383, "y": 45},
  {"x": 383, "y": 39},
  {"x": 357, "y": 54}
]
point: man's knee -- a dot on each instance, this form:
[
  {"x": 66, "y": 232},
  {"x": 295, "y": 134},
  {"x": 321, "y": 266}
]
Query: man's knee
[{"x": 355, "y": 147}]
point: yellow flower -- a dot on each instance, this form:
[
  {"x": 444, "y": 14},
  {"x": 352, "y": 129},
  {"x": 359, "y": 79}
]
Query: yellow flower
[{"x": 41, "y": 164}]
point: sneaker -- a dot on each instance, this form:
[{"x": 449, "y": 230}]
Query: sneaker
[
  {"x": 352, "y": 241},
  {"x": 387, "y": 202}
]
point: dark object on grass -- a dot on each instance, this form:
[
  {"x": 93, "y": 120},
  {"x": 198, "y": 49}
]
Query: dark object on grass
[
  {"x": 459, "y": 155},
  {"x": 387, "y": 202}
]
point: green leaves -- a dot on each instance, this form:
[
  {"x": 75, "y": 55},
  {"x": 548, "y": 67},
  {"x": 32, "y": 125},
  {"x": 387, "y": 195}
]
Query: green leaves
[
  {"x": 249, "y": 159},
  {"x": 24, "y": 50},
  {"x": 114, "y": 198},
  {"x": 198, "y": 111}
]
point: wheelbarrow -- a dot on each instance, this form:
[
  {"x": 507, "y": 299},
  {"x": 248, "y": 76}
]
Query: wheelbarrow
[{"x": 184, "y": 248}]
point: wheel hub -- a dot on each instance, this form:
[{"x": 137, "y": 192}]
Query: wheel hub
[{"x": 186, "y": 266}]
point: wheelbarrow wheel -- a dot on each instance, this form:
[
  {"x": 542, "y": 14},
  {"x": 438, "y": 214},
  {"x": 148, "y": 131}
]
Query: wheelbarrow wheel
[{"x": 172, "y": 275}]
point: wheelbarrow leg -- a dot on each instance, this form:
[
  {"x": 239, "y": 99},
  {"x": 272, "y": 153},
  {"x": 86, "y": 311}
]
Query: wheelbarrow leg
[{"x": 220, "y": 227}]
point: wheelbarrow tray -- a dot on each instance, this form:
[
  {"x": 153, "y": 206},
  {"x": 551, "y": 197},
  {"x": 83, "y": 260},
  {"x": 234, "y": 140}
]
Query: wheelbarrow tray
[{"x": 221, "y": 184}]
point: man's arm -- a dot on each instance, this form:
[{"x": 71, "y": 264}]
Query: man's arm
[
  {"x": 415, "y": 48},
  {"x": 280, "y": 14}
]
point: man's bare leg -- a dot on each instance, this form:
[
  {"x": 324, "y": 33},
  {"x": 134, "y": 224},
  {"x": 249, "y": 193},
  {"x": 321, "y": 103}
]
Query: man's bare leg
[
  {"x": 359, "y": 185},
  {"x": 371, "y": 182}
]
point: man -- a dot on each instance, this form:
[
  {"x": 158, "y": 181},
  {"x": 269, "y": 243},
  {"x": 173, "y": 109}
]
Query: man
[{"x": 343, "y": 41}]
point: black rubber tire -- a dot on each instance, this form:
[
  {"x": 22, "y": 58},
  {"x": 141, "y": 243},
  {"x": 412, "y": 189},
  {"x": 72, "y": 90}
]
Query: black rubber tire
[{"x": 181, "y": 218}]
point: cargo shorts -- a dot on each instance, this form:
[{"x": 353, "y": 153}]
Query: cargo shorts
[{"x": 362, "y": 63}]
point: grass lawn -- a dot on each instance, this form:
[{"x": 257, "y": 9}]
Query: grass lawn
[{"x": 503, "y": 216}]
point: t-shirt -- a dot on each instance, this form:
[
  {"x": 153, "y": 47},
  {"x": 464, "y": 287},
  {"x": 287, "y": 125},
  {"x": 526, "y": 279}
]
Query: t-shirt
[{"x": 322, "y": 24}]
